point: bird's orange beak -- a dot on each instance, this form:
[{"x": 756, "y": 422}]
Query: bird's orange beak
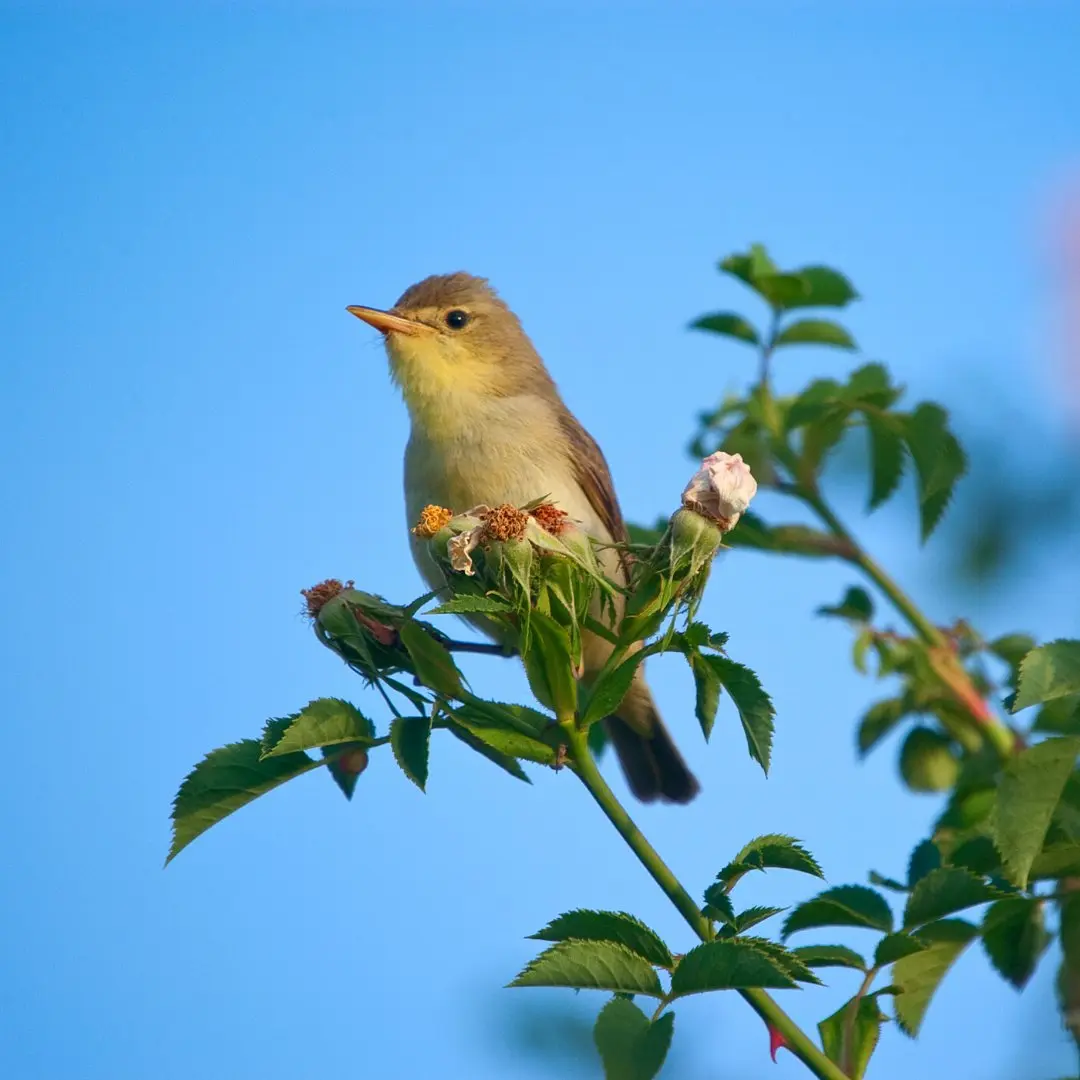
[{"x": 385, "y": 322}]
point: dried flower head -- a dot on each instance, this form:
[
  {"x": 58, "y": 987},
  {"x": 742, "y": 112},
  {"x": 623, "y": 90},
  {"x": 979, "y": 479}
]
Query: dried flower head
[
  {"x": 505, "y": 522},
  {"x": 550, "y": 518},
  {"x": 432, "y": 519},
  {"x": 721, "y": 489},
  {"x": 460, "y": 549},
  {"x": 319, "y": 595}
]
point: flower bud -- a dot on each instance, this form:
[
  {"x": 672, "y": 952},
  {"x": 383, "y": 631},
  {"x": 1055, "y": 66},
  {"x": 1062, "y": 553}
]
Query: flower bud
[{"x": 721, "y": 489}]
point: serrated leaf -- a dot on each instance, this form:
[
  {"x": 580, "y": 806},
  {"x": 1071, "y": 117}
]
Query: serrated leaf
[
  {"x": 1059, "y": 717},
  {"x": 1028, "y": 791},
  {"x": 434, "y": 666},
  {"x": 323, "y": 722},
  {"x": 615, "y": 926},
  {"x": 850, "y": 1035},
  {"x": 794, "y": 965},
  {"x": 719, "y": 903},
  {"x": 815, "y": 332},
  {"x": 886, "y": 457},
  {"x": 1056, "y": 861},
  {"x": 591, "y": 965},
  {"x": 1014, "y": 937},
  {"x": 1048, "y": 672},
  {"x": 607, "y": 694},
  {"x": 878, "y": 721},
  {"x": 944, "y": 892},
  {"x": 506, "y": 763},
  {"x": 1012, "y": 648},
  {"x": 939, "y": 461},
  {"x": 225, "y": 780},
  {"x": 856, "y": 606},
  {"x": 727, "y": 965},
  {"x": 706, "y": 693},
  {"x": 754, "y": 706},
  {"x": 410, "y": 737},
  {"x": 509, "y": 742},
  {"x": 893, "y": 947},
  {"x": 844, "y": 905},
  {"x": 752, "y": 916},
  {"x": 919, "y": 975},
  {"x": 830, "y": 956},
  {"x": 772, "y": 851},
  {"x": 463, "y": 605},
  {"x": 925, "y": 857},
  {"x": 631, "y": 1047},
  {"x": 729, "y": 324}
]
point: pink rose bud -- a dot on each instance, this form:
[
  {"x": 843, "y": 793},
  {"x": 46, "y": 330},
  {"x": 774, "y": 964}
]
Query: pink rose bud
[{"x": 721, "y": 489}]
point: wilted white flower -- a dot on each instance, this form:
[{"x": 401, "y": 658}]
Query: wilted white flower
[
  {"x": 460, "y": 548},
  {"x": 721, "y": 489}
]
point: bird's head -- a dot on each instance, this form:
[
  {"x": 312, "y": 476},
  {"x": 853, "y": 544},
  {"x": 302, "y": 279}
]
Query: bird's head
[{"x": 451, "y": 339}]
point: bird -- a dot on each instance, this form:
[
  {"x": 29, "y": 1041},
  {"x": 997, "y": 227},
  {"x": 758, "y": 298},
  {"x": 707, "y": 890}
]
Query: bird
[{"x": 489, "y": 427}]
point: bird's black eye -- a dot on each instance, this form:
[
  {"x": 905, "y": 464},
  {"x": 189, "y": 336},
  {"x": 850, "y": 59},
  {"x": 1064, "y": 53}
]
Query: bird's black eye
[{"x": 457, "y": 319}]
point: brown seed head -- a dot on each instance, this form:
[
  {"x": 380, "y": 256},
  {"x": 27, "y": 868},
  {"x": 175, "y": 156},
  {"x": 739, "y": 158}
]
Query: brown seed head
[
  {"x": 551, "y": 518},
  {"x": 505, "y": 522},
  {"x": 432, "y": 519},
  {"x": 319, "y": 595}
]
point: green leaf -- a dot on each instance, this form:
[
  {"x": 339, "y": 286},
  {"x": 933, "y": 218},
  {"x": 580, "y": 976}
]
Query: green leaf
[
  {"x": 706, "y": 693},
  {"x": 977, "y": 855},
  {"x": 830, "y": 956},
  {"x": 772, "y": 851},
  {"x": 887, "y": 882},
  {"x": 549, "y": 663},
  {"x": 878, "y": 721},
  {"x": 225, "y": 780},
  {"x": 410, "y": 737},
  {"x": 1059, "y": 717},
  {"x": 886, "y": 456},
  {"x": 925, "y": 858},
  {"x": 747, "y": 267},
  {"x": 939, "y": 461},
  {"x": 496, "y": 757},
  {"x": 844, "y": 905},
  {"x": 824, "y": 287},
  {"x": 729, "y": 324},
  {"x": 434, "y": 666},
  {"x": 893, "y": 947},
  {"x": 643, "y": 534},
  {"x": 785, "y": 958},
  {"x": 869, "y": 386},
  {"x": 462, "y": 605},
  {"x": 1012, "y": 648},
  {"x": 943, "y": 892},
  {"x": 323, "y": 722},
  {"x": 631, "y": 1047},
  {"x": 615, "y": 926},
  {"x": 1055, "y": 861},
  {"x": 850, "y": 1035},
  {"x": 815, "y": 332},
  {"x": 1048, "y": 672},
  {"x": 727, "y": 965},
  {"x": 856, "y": 606},
  {"x": 591, "y": 965},
  {"x": 819, "y": 438},
  {"x": 753, "y": 704},
  {"x": 919, "y": 975},
  {"x": 508, "y": 742},
  {"x": 752, "y": 916},
  {"x": 1014, "y": 937},
  {"x": 607, "y": 693},
  {"x": 718, "y": 903},
  {"x": 1028, "y": 791}
]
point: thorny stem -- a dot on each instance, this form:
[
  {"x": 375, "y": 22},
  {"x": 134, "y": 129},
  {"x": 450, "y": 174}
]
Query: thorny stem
[{"x": 761, "y": 1002}]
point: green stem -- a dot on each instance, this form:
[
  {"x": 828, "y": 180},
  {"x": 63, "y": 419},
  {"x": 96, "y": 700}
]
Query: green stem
[
  {"x": 999, "y": 735},
  {"x": 760, "y": 1001}
]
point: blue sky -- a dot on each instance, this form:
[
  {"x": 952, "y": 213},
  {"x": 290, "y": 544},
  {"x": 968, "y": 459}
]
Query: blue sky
[{"x": 193, "y": 429}]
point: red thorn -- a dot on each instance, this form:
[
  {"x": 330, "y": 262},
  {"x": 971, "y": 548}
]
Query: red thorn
[{"x": 776, "y": 1040}]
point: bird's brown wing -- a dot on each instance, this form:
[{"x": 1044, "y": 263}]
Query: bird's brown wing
[{"x": 592, "y": 473}]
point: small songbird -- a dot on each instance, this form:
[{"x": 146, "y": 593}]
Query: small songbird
[{"x": 489, "y": 427}]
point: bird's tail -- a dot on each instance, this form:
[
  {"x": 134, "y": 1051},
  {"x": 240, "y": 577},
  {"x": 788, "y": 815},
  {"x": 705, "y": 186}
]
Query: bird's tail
[{"x": 648, "y": 755}]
